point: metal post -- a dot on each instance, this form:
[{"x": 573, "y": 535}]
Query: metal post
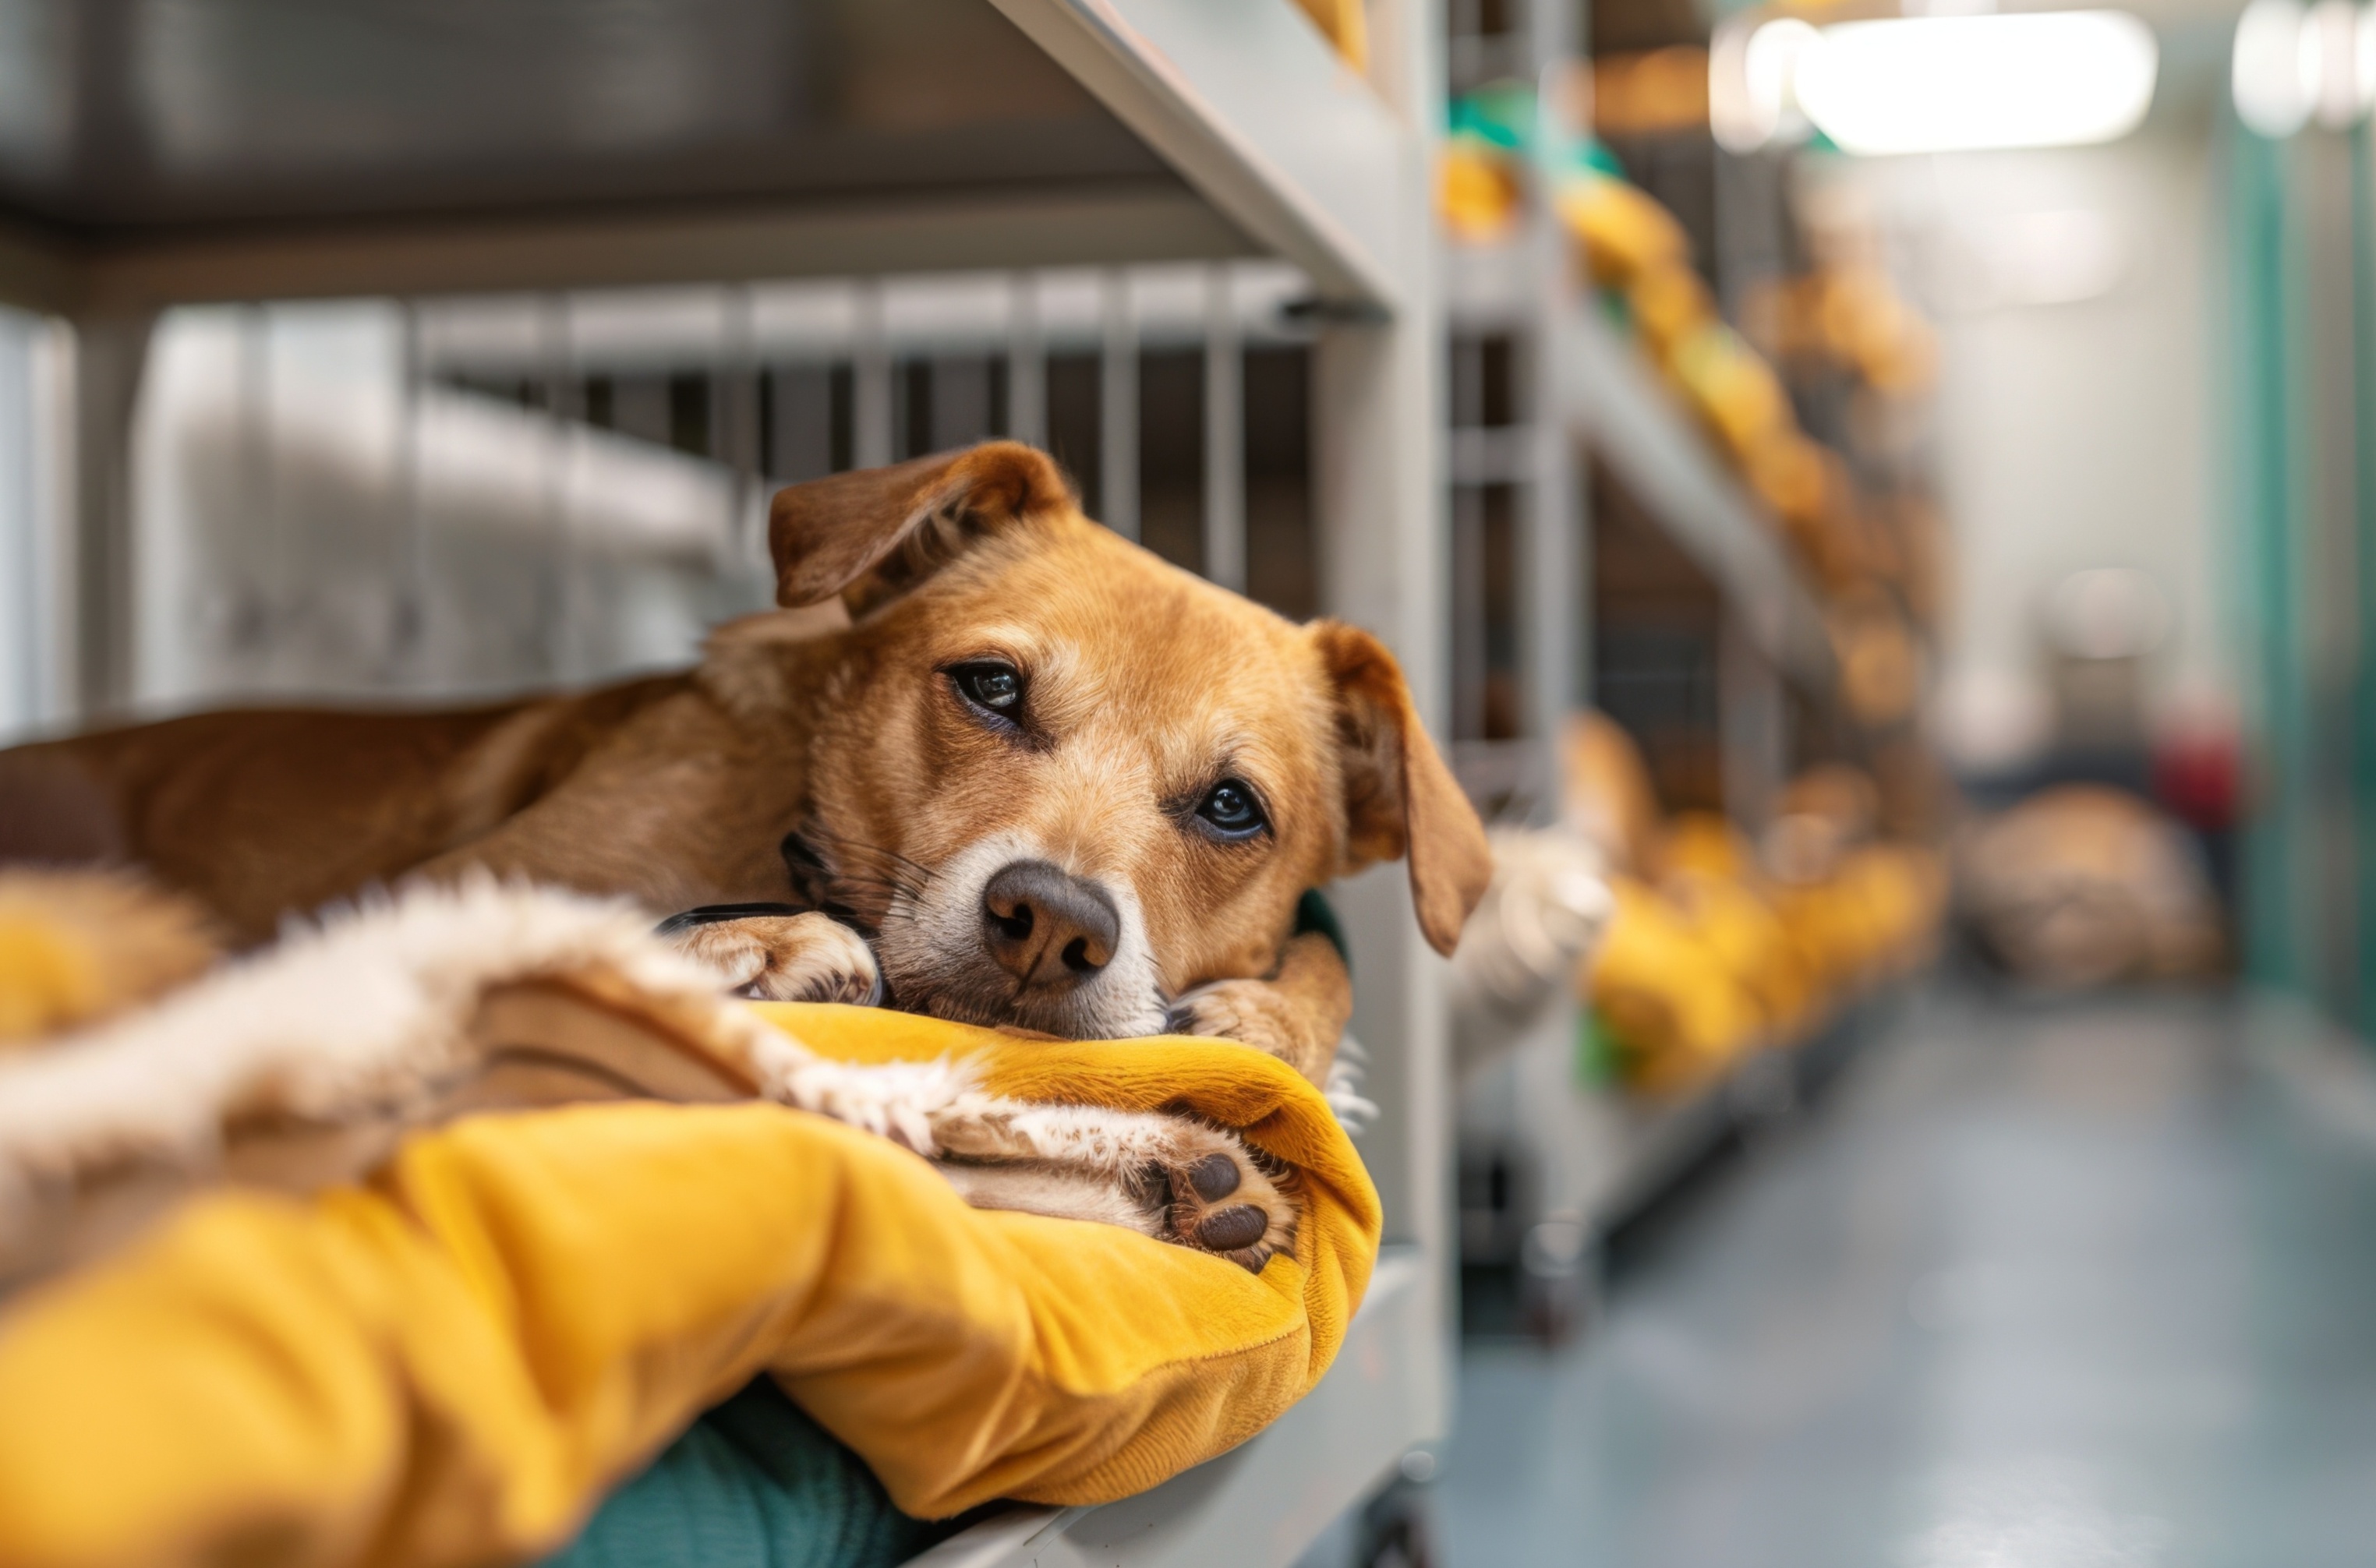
[
  {"x": 738, "y": 427},
  {"x": 412, "y": 633},
  {"x": 870, "y": 414},
  {"x": 1118, "y": 409},
  {"x": 1225, "y": 434},
  {"x": 57, "y": 632},
  {"x": 1378, "y": 490},
  {"x": 109, "y": 354},
  {"x": 1552, "y": 609},
  {"x": 21, "y": 593},
  {"x": 1026, "y": 363},
  {"x": 560, "y": 594}
]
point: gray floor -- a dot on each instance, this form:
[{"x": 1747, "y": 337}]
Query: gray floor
[{"x": 2086, "y": 1286}]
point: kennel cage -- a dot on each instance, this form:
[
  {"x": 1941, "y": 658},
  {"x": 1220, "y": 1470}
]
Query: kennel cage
[
  {"x": 1602, "y": 555},
  {"x": 454, "y": 498},
  {"x": 238, "y": 203}
]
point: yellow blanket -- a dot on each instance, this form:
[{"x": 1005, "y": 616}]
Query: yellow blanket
[{"x": 447, "y": 1364}]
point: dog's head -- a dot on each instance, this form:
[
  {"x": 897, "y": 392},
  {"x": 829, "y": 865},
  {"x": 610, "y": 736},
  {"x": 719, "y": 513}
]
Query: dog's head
[{"x": 1064, "y": 781}]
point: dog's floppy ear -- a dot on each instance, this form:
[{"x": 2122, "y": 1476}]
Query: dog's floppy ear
[
  {"x": 1399, "y": 797},
  {"x": 871, "y": 535}
]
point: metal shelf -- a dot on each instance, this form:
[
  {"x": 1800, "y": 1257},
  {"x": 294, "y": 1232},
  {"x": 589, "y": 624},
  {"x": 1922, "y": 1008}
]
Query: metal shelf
[
  {"x": 1614, "y": 401},
  {"x": 1254, "y": 109},
  {"x": 1260, "y": 1504},
  {"x": 535, "y": 149}
]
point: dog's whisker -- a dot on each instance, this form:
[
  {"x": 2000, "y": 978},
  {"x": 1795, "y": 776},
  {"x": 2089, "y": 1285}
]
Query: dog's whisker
[
  {"x": 891, "y": 875},
  {"x": 892, "y": 894},
  {"x": 842, "y": 842},
  {"x": 854, "y": 867},
  {"x": 863, "y": 873},
  {"x": 862, "y": 880}
]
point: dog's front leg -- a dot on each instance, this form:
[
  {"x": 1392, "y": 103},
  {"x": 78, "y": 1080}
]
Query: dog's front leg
[
  {"x": 803, "y": 956},
  {"x": 1171, "y": 1177},
  {"x": 1298, "y": 1014}
]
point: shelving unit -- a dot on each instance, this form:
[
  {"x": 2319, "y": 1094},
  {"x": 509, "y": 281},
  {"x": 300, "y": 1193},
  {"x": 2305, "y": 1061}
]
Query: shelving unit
[
  {"x": 1555, "y": 1164},
  {"x": 530, "y": 150}
]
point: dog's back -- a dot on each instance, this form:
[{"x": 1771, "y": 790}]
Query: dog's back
[{"x": 259, "y": 812}]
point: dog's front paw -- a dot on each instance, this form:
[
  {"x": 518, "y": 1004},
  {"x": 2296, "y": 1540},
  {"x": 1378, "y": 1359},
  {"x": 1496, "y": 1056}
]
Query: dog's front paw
[
  {"x": 791, "y": 958},
  {"x": 1259, "y": 1013},
  {"x": 1221, "y": 1196},
  {"x": 1171, "y": 1177}
]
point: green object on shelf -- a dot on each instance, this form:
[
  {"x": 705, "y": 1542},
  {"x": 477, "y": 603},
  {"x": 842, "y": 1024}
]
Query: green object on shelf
[
  {"x": 1501, "y": 113},
  {"x": 1590, "y": 154},
  {"x": 1599, "y": 1054},
  {"x": 1616, "y": 309}
]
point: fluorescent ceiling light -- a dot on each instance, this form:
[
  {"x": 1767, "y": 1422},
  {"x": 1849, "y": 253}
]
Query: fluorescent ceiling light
[
  {"x": 2292, "y": 64},
  {"x": 1947, "y": 84},
  {"x": 1749, "y": 75}
]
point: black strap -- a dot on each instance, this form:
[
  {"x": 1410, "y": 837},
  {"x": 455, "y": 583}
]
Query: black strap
[{"x": 710, "y": 914}]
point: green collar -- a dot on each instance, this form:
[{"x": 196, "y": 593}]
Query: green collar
[{"x": 1312, "y": 913}]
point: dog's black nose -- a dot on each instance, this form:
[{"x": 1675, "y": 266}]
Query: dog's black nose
[{"x": 1045, "y": 927}]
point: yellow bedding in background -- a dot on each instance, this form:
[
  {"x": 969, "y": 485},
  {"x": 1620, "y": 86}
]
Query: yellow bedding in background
[{"x": 448, "y": 1364}]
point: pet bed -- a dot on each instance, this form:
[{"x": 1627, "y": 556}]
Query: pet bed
[{"x": 486, "y": 1316}]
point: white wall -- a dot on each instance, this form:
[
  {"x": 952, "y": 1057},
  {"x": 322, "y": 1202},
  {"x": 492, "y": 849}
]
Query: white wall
[{"x": 2074, "y": 415}]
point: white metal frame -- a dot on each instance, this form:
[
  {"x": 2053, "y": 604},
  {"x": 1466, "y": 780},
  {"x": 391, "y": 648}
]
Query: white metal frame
[{"x": 1254, "y": 109}]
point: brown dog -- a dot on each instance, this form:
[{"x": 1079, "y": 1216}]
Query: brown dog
[{"x": 1017, "y": 770}]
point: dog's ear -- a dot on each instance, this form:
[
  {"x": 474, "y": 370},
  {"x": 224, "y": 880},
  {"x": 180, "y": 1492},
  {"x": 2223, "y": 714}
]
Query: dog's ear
[
  {"x": 871, "y": 535},
  {"x": 1399, "y": 797}
]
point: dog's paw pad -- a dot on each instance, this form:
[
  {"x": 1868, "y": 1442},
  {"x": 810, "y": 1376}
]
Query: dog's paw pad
[
  {"x": 1224, "y": 1198},
  {"x": 1233, "y": 1230},
  {"x": 1215, "y": 1177}
]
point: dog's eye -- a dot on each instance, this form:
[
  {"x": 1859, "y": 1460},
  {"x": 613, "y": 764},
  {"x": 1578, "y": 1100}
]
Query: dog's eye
[
  {"x": 997, "y": 687},
  {"x": 1232, "y": 808}
]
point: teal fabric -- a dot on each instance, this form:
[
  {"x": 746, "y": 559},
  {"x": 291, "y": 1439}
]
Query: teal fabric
[{"x": 754, "y": 1484}]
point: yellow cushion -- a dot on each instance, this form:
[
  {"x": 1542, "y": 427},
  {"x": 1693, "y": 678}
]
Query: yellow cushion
[{"x": 448, "y": 1364}]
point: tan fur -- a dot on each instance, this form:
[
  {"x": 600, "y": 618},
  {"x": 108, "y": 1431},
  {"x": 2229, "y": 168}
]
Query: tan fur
[
  {"x": 805, "y": 957},
  {"x": 1147, "y": 685}
]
